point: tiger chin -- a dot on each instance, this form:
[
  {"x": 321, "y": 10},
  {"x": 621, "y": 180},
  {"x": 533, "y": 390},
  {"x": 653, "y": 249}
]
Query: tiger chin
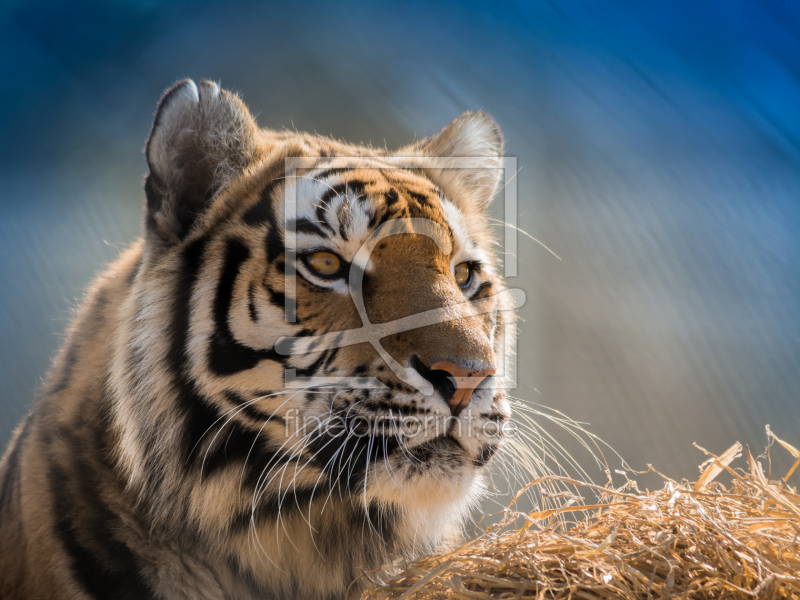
[{"x": 290, "y": 380}]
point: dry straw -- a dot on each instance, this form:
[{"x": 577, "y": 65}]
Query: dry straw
[{"x": 687, "y": 540}]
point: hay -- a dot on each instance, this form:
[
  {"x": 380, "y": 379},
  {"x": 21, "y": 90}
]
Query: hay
[{"x": 687, "y": 540}]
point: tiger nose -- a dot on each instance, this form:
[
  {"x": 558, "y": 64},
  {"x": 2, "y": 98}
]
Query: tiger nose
[{"x": 455, "y": 383}]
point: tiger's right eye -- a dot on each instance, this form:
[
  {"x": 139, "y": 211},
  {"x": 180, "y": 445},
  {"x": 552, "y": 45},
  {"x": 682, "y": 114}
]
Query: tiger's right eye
[
  {"x": 463, "y": 275},
  {"x": 324, "y": 264}
]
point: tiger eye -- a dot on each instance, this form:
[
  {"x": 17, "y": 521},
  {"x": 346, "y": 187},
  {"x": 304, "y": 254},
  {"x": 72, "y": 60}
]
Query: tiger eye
[
  {"x": 463, "y": 275},
  {"x": 325, "y": 264}
]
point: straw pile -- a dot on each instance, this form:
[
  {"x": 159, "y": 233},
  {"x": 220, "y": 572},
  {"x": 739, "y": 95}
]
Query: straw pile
[{"x": 687, "y": 540}]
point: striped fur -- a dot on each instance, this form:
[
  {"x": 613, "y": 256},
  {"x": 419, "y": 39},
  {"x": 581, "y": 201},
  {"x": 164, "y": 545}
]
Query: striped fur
[{"x": 163, "y": 457}]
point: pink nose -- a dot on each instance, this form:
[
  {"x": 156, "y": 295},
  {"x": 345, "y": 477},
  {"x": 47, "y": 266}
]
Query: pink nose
[{"x": 463, "y": 381}]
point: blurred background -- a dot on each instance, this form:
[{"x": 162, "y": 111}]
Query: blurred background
[{"x": 659, "y": 153}]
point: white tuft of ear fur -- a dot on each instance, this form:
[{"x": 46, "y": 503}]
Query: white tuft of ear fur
[
  {"x": 202, "y": 137},
  {"x": 475, "y": 140}
]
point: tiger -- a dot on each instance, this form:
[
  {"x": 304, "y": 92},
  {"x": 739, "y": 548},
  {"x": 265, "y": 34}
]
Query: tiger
[{"x": 228, "y": 417}]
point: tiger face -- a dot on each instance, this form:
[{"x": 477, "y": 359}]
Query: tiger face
[
  {"x": 293, "y": 378},
  {"x": 299, "y": 292},
  {"x": 402, "y": 412}
]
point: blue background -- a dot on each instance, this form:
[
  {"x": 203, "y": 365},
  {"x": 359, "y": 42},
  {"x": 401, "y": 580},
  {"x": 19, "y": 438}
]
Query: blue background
[{"x": 659, "y": 148}]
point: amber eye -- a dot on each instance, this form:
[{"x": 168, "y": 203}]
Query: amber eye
[
  {"x": 463, "y": 273},
  {"x": 324, "y": 264}
]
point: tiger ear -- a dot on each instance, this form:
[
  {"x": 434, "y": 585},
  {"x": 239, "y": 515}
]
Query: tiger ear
[
  {"x": 475, "y": 139},
  {"x": 202, "y": 137}
]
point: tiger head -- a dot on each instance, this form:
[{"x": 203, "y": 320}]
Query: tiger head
[{"x": 311, "y": 320}]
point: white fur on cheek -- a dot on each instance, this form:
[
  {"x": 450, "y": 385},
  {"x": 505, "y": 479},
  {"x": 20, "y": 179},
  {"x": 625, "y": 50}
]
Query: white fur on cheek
[{"x": 465, "y": 246}]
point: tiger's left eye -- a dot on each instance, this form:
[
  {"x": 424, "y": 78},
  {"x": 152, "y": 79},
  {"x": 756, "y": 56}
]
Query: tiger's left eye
[
  {"x": 324, "y": 264},
  {"x": 463, "y": 274}
]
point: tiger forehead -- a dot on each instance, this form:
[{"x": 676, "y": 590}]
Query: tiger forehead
[
  {"x": 398, "y": 191},
  {"x": 341, "y": 201}
]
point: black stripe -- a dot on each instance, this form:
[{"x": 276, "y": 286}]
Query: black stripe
[
  {"x": 351, "y": 461},
  {"x": 331, "y": 172},
  {"x": 331, "y": 356},
  {"x": 248, "y": 407},
  {"x": 399, "y": 408},
  {"x": 348, "y": 467},
  {"x": 358, "y": 188},
  {"x": 251, "y": 303},
  {"x": 391, "y": 197},
  {"x": 195, "y": 410},
  {"x": 304, "y": 225},
  {"x": 88, "y": 529},
  {"x": 484, "y": 286},
  {"x": 263, "y": 211},
  {"x": 422, "y": 199},
  {"x": 494, "y": 417},
  {"x": 485, "y": 455},
  {"x": 378, "y": 215},
  {"x": 337, "y": 536},
  {"x": 396, "y": 212},
  {"x": 277, "y": 299},
  {"x": 110, "y": 573},
  {"x": 269, "y": 508},
  {"x": 211, "y": 442},
  {"x": 227, "y": 356},
  {"x": 321, "y": 211},
  {"x": 313, "y": 367},
  {"x": 383, "y": 518},
  {"x": 274, "y": 243},
  {"x": 289, "y": 349},
  {"x": 355, "y": 186},
  {"x": 231, "y": 443}
]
